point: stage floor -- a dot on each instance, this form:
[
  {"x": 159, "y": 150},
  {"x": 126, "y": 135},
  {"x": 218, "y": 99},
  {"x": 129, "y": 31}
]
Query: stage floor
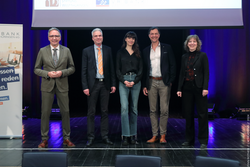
[{"x": 228, "y": 138}]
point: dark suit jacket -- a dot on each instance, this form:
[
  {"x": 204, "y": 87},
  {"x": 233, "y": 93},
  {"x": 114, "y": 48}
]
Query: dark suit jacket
[
  {"x": 201, "y": 70},
  {"x": 12, "y": 62},
  {"x": 168, "y": 66},
  {"x": 45, "y": 64},
  {"x": 89, "y": 68}
]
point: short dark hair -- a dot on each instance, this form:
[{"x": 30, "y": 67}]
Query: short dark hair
[{"x": 152, "y": 28}]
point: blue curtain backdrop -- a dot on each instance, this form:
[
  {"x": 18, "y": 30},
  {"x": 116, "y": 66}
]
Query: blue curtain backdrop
[
  {"x": 228, "y": 53},
  {"x": 227, "y": 50}
]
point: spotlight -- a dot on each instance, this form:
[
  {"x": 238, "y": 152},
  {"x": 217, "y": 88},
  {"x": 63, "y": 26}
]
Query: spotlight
[
  {"x": 55, "y": 112},
  {"x": 210, "y": 110},
  {"x": 243, "y": 111}
]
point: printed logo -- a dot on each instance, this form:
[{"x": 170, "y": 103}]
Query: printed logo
[
  {"x": 102, "y": 3},
  {"x": 51, "y": 3},
  {"x": 10, "y": 35},
  {"x": 4, "y": 98}
]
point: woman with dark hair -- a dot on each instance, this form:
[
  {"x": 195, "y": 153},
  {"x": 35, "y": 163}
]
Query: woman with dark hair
[
  {"x": 193, "y": 88},
  {"x": 129, "y": 72}
]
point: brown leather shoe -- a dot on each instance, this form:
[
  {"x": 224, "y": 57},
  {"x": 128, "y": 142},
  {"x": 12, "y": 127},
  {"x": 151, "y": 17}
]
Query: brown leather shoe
[
  {"x": 43, "y": 144},
  {"x": 68, "y": 143},
  {"x": 163, "y": 140},
  {"x": 153, "y": 139}
]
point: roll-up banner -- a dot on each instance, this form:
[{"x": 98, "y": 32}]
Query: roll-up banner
[{"x": 11, "y": 77}]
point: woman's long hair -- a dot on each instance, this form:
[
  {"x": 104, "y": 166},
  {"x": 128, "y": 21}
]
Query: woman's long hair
[{"x": 135, "y": 47}]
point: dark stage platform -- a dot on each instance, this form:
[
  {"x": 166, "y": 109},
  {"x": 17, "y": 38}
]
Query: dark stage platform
[{"x": 228, "y": 138}]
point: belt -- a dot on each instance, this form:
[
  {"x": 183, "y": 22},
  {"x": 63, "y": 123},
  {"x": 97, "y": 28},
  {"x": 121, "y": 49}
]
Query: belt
[
  {"x": 156, "y": 78},
  {"x": 129, "y": 73},
  {"x": 100, "y": 79}
]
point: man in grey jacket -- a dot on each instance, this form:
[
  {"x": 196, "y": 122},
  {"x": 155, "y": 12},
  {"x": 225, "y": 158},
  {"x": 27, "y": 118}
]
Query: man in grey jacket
[{"x": 54, "y": 64}]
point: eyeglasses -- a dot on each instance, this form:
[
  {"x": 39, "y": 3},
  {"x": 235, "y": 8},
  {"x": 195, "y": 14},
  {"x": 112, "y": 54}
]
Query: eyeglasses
[{"x": 54, "y": 36}]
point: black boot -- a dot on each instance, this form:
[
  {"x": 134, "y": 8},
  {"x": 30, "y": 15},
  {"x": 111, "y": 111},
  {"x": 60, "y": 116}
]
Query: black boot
[
  {"x": 132, "y": 140},
  {"x": 125, "y": 141}
]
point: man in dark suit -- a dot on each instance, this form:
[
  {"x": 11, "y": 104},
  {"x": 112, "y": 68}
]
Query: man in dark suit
[
  {"x": 158, "y": 76},
  {"x": 54, "y": 64},
  {"x": 98, "y": 81}
]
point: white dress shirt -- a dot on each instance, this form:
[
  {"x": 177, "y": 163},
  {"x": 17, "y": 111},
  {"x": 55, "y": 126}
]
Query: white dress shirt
[
  {"x": 155, "y": 60},
  {"x": 57, "y": 51}
]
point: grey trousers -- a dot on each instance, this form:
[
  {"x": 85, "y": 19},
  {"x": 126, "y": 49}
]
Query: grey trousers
[
  {"x": 157, "y": 87},
  {"x": 63, "y": 103}
]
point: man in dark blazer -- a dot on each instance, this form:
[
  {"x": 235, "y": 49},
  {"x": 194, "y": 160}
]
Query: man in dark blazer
[
  {"x": 54, "y": 64},
  {"x": 158, "y": 76},
  {"x": 98, "y": 81}
]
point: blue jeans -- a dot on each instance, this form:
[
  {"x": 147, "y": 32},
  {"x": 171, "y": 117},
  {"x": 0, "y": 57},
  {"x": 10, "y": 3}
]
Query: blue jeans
[{"x": 129, "y": 126}]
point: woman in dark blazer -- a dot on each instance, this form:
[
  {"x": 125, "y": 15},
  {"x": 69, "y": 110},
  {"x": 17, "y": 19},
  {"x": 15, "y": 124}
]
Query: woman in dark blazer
[
  {"x": 129, "y": 72},
  {"x": 193, "y": 88}
]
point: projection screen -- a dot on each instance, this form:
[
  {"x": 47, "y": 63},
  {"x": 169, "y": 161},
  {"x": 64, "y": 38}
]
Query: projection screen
[{"x": 137, "y": 13}]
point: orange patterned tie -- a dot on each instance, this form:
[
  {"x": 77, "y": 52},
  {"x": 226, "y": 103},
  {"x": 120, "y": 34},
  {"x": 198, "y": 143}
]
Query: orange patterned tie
[{"x": 100, "y": 66}]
